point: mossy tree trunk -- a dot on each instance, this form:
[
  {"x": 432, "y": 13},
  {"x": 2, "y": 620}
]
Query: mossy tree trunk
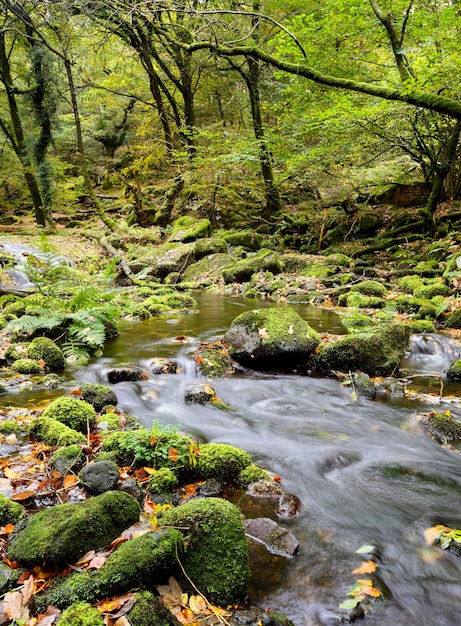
[{"x": 446, "y": 163}]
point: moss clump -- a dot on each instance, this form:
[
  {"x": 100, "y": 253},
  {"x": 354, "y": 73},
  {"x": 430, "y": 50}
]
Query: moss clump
[
  {"x": 246, "y": 238},
  {"x": 46, "y": 350},
  {"x": 10, "y": 512},
  {"x": 213, "y": 359},
  {"x": 8, "y": 427},
  {"x": 252, "y": 474},
  {"x": 26, "y": 366},
  {"x": 14, "y": 309},
  {"x": 179, "y": 301},
  {"x": 221, "y": 461},
  {"x": 242, "y": 271},
  {"x": 320, "y": 271},
  {"x": 149, "y": 611},
  {"x": 98, "y": 396},
  {"x": 337, "y": 258},
  {"x": 421, "y": 326},
  {"x": 115, "y": 421},
  {"x": 65, "y": 532},
  {"x": 444, "y": 427},
  {"x": 428, "y": 292},
  {"x": 352, "y": 322},
  {"x": 162, "y": 482},
  {"x": 76, "y": 414},
  {"x": 81, "y": 614},
  {"x": 371, "y": 288},
  {"x": 216, "y": 558},
  {"x": 16, "y": 351},
  {"x": 454, "y": 320},
  {"x": 408, "y": 284},
  {"x": 208, "y": 268},
  {"x": 428, "y": 268},
  {"x": 142, "y": 562},
  {"x": 375, "y": 352},
  {"x": 54, "y": 433},
  {"x": 359, "y": 300},
  {"x": 188, "y": 228},
  {"x": 408, "y": 304}
]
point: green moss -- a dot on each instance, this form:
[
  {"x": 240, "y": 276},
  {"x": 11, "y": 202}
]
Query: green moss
[
  {"x": 65, "y": 532},
  {"x": 14, "y": 309},
  {"x": 16, "y": 351},
  {"x": 68, "y": 457},
  {"x": 347, "y": 278},
  {"x": 208, "y": 268},
  {"x": 354, "y": 321},
  {"x": 142, "y": 562},
  {"x": 76, "y": 414},
  {"x": 46, "y": 350},
  {"x": 427, "y": 310},
  {"x": 8, "y": 427},
  {"x": 357, "y": 299},
  {"x": 443, "y": 426},
  {"x": 26, "y": 366},
  {"x": 251, "y": 474},
  {"x": 98, "y": 396},
  {"x": 188, "y": 228},
  {"x": 428, "y": 268},
  {"x": 221, "y": 461},
  {"x": 216, "y": 559},
  {"x": 213, "y": 359},
  {"x": 370, "y": 288},
  {"x": 54, "y": 433},
  {"x": 454, "y": 320},
  {"x": 408, "y": 304},
  {"x": 408, "y": 284},
  {"x": 337, "y": 258},
  {"x": 179, "y": 301},
  {"x": 320, "y": 271},
  {"x": 265, "y": 260},
  {"x": 10, "y": 512},
  {"x": 421, "y": 326},
  {"x": 81, "y": 614},
  {"x": 163, "y": 481},
  {"x": 430, "y": 291},
  {"x": 246, "y": 238},
  {"x": 454, "y": 371},
  {"x": 149, "y": 611}
]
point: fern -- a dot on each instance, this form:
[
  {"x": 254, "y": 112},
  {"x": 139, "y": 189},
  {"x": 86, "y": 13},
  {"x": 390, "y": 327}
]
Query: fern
[
  {"x": 26, "y": 324},
  {"x": 88, "y": 329},
  {"x": 76, "y": 351},
  {"x": 6, "y": 299}
]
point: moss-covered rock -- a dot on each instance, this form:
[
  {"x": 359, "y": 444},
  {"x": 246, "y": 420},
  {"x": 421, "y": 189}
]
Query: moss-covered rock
[
  {"x": 54, "y": 433},
  {"x": 162, "y": 482},
  {"x": 14, "y": 309},
  {"x": 251, "y": 474},
  {"x": 428, "y": 292},
  {"x": 209, "y": 268},
  {"x": 26, "y": 366},
  {"x": 356, "y": 321},
  {"x": 80, "y": 614},
  {"x": 46, "y": 350},
  {"x": 454, "y": 371},
  {"x": 188, "y": 228},
  {"x": 320, "y": 271},
  {"x": 370, "y": 288},
  {"x": 442, "y": 426},
  {"x": 265, "y": 260},
  {"x": 149, "y": 611},
  {"x": 408, "y": 304},
  {"x": 247, "y": 238},
  {"x": 10, "y": 512},
  {"x": 216, "y": 559},
  {"x": 271, "y": 338},
  {"x": 65, "y": 532},
  {"x": 98, "y": 396},
  {"x": 375, "y": 352},
  {"x": 143, "y": 562},
  {"x": 454, "y": 320},
  {"x": 76, "y": 414},
  {"x": 408, "y": 284},
  {"x": 8, "y": 427},
  {"x": 213, "y": 359},
  {"x": 361, "y": 301},
  {"x": 421, "y": 326},
  {"x": 68, "y": 457},
  {"x": 221, "y": 461},
  {"x": 16, "y": 351}
]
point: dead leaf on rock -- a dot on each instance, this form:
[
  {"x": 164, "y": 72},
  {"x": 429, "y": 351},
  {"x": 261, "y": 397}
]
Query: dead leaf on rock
[{"x": 262, "y": 332}]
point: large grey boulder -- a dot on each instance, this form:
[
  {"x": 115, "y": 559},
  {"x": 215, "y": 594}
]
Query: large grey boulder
[{"x": 275, "y": 338}]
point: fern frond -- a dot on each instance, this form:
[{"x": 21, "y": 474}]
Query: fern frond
[
  {"x": 76, "y": 351},
  {"x": 28, "y": 323}
]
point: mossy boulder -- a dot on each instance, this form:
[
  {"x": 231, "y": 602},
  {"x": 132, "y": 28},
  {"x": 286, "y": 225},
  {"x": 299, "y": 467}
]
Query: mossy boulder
[
  {"x": 76, "y": 414},
  {"x": 10, "y": 512},
  {"x": 360, "y": 300},
  {"x": 454, "y": 371},
  {"x": 67, "y": 458},
  {"x": 430, "y": 291},
  {"x": 150, "y": 611},
  {"x": 251, "y": 474},
  {"x": 356, "y": 321},
  {"x": 271, "y": 338},
  {"x": 188, "y": 228},
  {"x": 98, "y": 396},
  {"x": 206, "y": 247},
  {"x": 161, "y": 261},
  {"x": 221, "y": 461},
  {"x": 46, "y": 350},
  {"x": 454, "y": 320},
  {"x": 421, "y": 326},
  {"x": 81, "y": 614},
  {"x": 16, "y": 351},
  {"x": 370, "y": 288},
  {"x": 216, "y": 558},
  {"x": 143, "y": 562},
  {"x": 27, "y": 366},
  {"x": 408, "y": 284},
  {"x": 213, "y": 359},
  {"x": 442, "y": 426},
  {"x": 247, "y": 238},
  {"x": 375, "y": 352},
  {"x": 65, "y": 532},
  {"x": 162, "y": 482},
  {"x": 54, "y": 433},
  {"x": 242, "y": 271},
  {"x": 209, "y": 268}
]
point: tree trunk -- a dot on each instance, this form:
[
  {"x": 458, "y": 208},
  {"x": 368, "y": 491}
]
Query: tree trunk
[
  {"x": 444, "y": 169},
  {"x": 157, "y": 95},
  {"x": 19, "y": 144}
]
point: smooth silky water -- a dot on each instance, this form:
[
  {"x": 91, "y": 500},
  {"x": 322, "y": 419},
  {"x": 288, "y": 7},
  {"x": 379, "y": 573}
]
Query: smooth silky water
[{"x": 364, "y": 470}]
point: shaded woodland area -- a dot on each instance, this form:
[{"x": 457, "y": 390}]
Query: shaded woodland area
[{"x": 286, "y": 118}]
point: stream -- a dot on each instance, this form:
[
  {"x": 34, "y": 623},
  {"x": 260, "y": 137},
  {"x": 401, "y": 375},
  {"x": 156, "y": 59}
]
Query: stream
[{"x": 364, "y": 470}]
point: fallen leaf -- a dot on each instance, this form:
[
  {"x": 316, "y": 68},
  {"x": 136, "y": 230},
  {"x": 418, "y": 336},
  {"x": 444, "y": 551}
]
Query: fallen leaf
[
  {"x": 262, "y": 332},
  {"x": 150, "y": 470},
  {"x": 10, "y": 473},
  {"x": 13, "y": 605},
  {"x": 70, "y": 480},
  {"x": 23, "y": 495},
  {"x": 433, "y": 533},
  {"x": 197, "y": 604},
  {"x": 366, "y": 568},
  {"x": 97, "y": 562},
  {"x": 173, "y": 454},
  {"x": 365, "y": 549}
]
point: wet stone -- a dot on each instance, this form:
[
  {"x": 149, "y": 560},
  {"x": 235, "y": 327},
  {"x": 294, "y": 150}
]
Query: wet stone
[
  {"x": 199, "y": 394},
  {"x": 123, "y": 374},
  {"x": 99, "y": 477},
  {"x": 265, "y": 489},
  {"x": 276, "y": 539},
  {"x": 163, "y": 366},
  {"x": 288, "y": 505}
]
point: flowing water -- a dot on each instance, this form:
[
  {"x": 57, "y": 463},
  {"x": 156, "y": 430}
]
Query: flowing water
[{"x": 364, "y": 470}]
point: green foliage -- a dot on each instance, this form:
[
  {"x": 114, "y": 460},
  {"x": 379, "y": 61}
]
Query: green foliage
[
  {"x": 77, "y": 414},
  {"x": 80, "y": 614},
  {"x": 26, "y": 366}
]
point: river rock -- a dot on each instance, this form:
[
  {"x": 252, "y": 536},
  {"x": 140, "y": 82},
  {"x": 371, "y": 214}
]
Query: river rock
[
  {"x": 265, "y": 489},
  {"x": 376, "y": 352},
  {"x": 454, "y": 371},
  {"x": 123, "y": 374},
  {"x": 275, "y": 338},
  {"x": 363, "y": 385},
  {"x": 277, "y": 540},
  {"x": 65, "y": 532},
  {"x": 288, "y": 505},
  {"x": 98, "y": 395},
  {"x": 188, "y": 228},
  {"x": 162, "y": 366},
  {"x": 99, "y": 477},
  {"x": 199, "y": 394}
]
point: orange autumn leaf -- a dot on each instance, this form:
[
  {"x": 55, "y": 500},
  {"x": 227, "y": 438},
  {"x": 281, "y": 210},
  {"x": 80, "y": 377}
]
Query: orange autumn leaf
[
  {"x": 76, "y": 392},
  {"x": 371, "y": 591},
  {"x": 173, "y": 454},
  {"x": 9, "y": 528},
  {"x": 23, "y": 495},
  {"x": 70, "y": 480},
  {"x": 278, "y": 479},
  {"x": 190, "y": 490},
  {"x": 150, "y": 470},
  {"x": 186, "y": 616},
  {"x": 366, "y": 568},
  {"x": 97, "y": 562}
]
